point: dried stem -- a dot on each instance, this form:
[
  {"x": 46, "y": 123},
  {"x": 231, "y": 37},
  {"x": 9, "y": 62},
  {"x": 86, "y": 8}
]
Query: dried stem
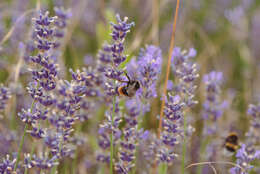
[
  {"x": 168, "y": 66},
  {"x": 215, "y": 162},
  {"x": 10, "y": 32}
]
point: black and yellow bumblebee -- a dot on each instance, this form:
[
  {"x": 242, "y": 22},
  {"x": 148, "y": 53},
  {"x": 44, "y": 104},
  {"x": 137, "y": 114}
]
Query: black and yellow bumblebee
[
  {"x": 231, "y": 142},
  {"x": 130, "y": 88}
]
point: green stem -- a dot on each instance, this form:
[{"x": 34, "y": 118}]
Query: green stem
[
  {"x": 74, "y": 165},
  {"x": 22, "y": 140},
  {"x": 184, "y": 145},
  {"x": 163, "y": 168},
  {"x": 139, "y": 125},
  {"x": 13, "y": 119},
  {"x": 111, "y": 137}
]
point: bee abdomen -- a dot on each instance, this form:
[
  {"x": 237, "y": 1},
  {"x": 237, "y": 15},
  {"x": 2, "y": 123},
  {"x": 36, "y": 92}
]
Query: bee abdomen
[{"x": 122, "y": 91}]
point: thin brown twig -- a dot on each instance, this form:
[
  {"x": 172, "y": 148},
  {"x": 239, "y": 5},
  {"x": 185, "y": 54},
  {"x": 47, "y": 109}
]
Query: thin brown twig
[
  {"x": 10, "y": 32},
  {"x": 215, "y": 162},
  {"x": 20, "y": 61},
  {"x": 168, "y": 66},
  {"x": 213, "y": 168}
]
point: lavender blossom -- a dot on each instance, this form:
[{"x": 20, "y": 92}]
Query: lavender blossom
[
  {"x": 104, "y": 136},
  {"x": 116, "y": 49},
  {"x": 253, "y": 136},
  {"x": 7, "y": 165},
  {"x": 47, "y": 90},
  {"x": 245, "y": 156},
  {"x": 171, "y": 124},
  {"x": 186, "y": 74},
  {"x": 130, "y": 138},
  {"x": 213, "y": 106},
  {"x": 119, "y": 33},
  {"x": 149, "y": 68},
  {"x": 5, "y": 95},
  {"x": 44, "y": 162}
]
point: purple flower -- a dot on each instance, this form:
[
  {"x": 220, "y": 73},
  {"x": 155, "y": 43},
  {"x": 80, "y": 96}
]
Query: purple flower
[
  {"x": 185, "y": 72},
  {"x": 149, "y": 68},
  {"x": 104, "y": 136},
  {"x": 31, "y": 117},
  {"x": 234, "y": 15},
  {"x": 5, "y": 95},
  {"x": 43, "y": 161},
  {"x": 7, "y": 165},
  {"x": 126, "y": 153},
  {"x": 171, "y": 129},
  {"x": 213, "y": 81},
  {"x": 63, "y": 16},
  {"x": 131, "y": 135},
  {"x": 118, "y": 34},
  {"x": 213, "y": 107},
  {"x": 253, "y": 136},
  {"x": 245, "y": 155}
]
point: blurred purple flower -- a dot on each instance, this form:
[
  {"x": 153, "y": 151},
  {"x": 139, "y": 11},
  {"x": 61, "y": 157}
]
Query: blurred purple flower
[
  {"x": 234, "y": 15},
  {"x": 5, "y": 95},
  {"x": 253, "y": 136},
  {"x": 213, "y": 107}
]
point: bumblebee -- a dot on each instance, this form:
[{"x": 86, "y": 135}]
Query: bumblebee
[
  {"x": 130, "y": 88},
  {"x": 231, "y": 142}
]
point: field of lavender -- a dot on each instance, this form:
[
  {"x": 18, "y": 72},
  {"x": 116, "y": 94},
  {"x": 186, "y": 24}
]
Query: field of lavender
[{"x": 130, "y": 87}]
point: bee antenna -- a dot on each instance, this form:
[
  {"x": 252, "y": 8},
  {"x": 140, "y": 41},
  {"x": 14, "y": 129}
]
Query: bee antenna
[{"x": 127, "y": 76}]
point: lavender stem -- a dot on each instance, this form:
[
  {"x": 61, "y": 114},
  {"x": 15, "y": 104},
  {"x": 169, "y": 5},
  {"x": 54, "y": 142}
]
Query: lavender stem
[
  {"x": 184, "y": 145},
  {"x": 111, "y": 137},
  {"x": 22, "y": 140}
]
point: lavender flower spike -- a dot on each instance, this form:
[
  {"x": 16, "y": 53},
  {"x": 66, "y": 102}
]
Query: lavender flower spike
[
  {"x": 245, "y": 156},
  {"x": 171, "y": 129},
  {"x": 253, "y": 135},
  {"x": 186, "y": 73},
  {"x": 5, "y": 94},
  {"x": 213, "y": 106},
  {"x": 149, "y": 67},
  {"x": 119, "y": 33}
]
